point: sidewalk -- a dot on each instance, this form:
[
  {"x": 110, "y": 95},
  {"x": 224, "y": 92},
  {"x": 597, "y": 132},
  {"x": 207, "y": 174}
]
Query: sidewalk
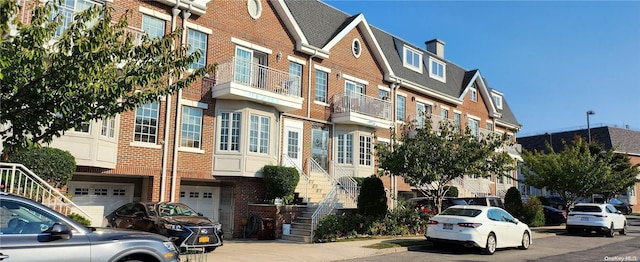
[{"x": 249, "y": 250}]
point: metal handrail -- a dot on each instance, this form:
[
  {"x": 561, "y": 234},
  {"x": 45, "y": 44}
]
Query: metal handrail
[
  {"x": 346, "y": 182},
  {"x": 18, "y": 179},
  {"x": 325, "y": 207},
  {"x": 247, "y": 73},
  {"x": 363, "y": 104},
  {"x": 286, "y": 159}
]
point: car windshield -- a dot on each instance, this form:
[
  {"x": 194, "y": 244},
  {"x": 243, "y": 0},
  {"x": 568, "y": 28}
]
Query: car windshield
[
  {"x": 465, "y": 212},
  {"x": 595, "y": 209},
  {"x": 458, "y": 202},
  {"x": 615, "y": 201},
  {"x": 175, "y": 209}
]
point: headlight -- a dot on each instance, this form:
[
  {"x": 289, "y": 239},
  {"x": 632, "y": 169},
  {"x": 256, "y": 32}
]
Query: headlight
[
  {"x": 173, "y": 227},
  {"x": 170, "y": 246},
  {"x": 218, "y": 226}
]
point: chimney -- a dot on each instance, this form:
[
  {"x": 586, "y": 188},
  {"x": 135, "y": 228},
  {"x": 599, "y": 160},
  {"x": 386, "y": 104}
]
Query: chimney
[{"x": 436, "y": 46}]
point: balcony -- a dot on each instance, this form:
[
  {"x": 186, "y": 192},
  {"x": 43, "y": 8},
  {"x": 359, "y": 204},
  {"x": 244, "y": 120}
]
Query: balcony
[
  {"x": 244, "y": 80},
  {"x": 358, "y": 109}
]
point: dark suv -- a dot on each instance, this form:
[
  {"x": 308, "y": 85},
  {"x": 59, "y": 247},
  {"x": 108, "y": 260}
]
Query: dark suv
[
  {"x": 187, "y": 228},
  {"x": 30, "y": 231}
]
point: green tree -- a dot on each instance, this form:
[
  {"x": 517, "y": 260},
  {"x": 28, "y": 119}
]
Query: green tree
[
  {"x": 94, "y": 70},
  {"x": 623, "y": 174},
  {"x": 428, "y": 158},
  {"x": 572, "y": 173},
  {"x": 54, "y": 165},
  {"x": 513, "y": 202},
  {"x": 280, "y": 181},
  {"x": 533, "y": 212},
  {"x": 372, "y": 200}
]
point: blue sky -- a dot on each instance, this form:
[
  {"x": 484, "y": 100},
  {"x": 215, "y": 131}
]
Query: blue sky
[{"x": 552, "y": 60}]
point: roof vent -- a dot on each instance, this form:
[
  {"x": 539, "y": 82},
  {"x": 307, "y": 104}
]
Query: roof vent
[{"x": 436, "y": 46}]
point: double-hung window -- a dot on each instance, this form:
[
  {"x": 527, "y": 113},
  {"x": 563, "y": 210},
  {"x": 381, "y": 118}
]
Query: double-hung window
[
  {"x": 400, "y": 107},
  {"x": 230, "y": 131},
  {"x": 365, "y": 150},
  {"x": 456, "y": 119},
  {"x": 152, "y": 26},
  {"x": 108, "y": 127},
  {"x": 191, "y": 127},
  {"x": 321, "y": 86},
  {"x": 444, "y": 113},
  {"x": 67, "y": 9},
  {"x": 295, "y": 72},
  {"x": 345, "y": 148},
  {"x": 259, "y": 134},
  {"x": 146, "y": 127},
  {"x": 198, "y": 43},
  {"x": 474, "y": 126}
]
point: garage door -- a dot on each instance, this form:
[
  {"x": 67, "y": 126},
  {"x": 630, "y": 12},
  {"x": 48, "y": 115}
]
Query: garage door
[
  {"x": 203, "y": 199},
  {"x": 100, "y": 199}
]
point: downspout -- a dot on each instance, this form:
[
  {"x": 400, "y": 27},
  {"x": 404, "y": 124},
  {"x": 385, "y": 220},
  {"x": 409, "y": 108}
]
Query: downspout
[
  {"x": 165, "y": 149},
  {"x": 176, "y": 143},
  {"x": 315, "y": 53},
  {"x": 394, "y": 180}
]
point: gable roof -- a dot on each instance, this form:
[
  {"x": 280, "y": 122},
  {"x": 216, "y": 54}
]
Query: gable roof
[{"x": 622, "y": 140}]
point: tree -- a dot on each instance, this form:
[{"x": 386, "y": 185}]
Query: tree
[
  {"x": 513, "y": 202},
  {"x": 572, "y": 173},
  {"x": 93, "y": 70},
  {"x": 372, "y": 200},
  {"x": 623, "y": 174},
  {"x": 428, "y": 158},
  {"x": 54, "y": 165}
]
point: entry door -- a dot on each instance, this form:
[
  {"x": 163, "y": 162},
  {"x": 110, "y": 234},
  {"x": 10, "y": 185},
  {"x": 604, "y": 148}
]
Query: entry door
[{"x": 293, "y": 142}]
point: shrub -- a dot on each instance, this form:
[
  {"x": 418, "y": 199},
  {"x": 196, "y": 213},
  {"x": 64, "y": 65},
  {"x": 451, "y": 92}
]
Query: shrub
[
  {"x": 280, "y": 181},
  {"x": 453, "y": 191},
  {"x": 51, "y": 164},
  {"x": 513, "y": 202},
  {"x": 372, "y": 200},
  {"x": 533, "y": 212},
  {"x": 80, "y": 219}
]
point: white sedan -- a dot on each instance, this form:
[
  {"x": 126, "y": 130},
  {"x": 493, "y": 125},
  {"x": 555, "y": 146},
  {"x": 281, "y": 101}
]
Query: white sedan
[
  {"x": 603, "y": 218},
  {"x": 478, "y": 226}
]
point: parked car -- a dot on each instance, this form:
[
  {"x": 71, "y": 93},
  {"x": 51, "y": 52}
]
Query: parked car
[
  {"x": 490, "y": 201},
  {"x": 187, "y": 228},
  {"x": 556, "y": 202},
  {"x": 621, "y": 206},
  {"x": 478, "y": 226},
  {"x": 554, "y": 216},
  {"x": 428, "y": 204},
  {"x": 30, "y": 231},
  {"x": 602, "y": 218}
]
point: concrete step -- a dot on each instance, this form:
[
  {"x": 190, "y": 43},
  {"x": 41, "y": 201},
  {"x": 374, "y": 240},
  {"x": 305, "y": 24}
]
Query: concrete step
[
  {"x": 301, "y": 232},
  {"x": 300, "y": 226},
  {"x": 297, "y": 238}
]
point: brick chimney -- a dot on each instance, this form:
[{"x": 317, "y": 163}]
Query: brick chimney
[{"x": 436, "y": 46}]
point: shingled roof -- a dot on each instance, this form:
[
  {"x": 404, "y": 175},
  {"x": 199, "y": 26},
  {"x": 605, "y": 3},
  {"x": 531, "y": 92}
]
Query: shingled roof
[{"x": 622, "y": 140}]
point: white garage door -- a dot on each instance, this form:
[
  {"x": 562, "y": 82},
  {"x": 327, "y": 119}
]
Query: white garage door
[
  {"x": 203, "y": 199},
  {"x": 100, "y": 199}
]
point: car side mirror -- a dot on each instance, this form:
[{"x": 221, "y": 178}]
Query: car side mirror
[
  {"x": 618, "y": 212},
  {"x": 59, "y": 230},
  {"x": 200, "y": 214}
]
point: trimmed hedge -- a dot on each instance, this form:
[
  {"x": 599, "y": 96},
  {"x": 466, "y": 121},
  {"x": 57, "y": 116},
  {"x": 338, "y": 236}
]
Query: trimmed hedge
[
  {"x": 372, "y": 200},
  {"x": 280, "y": 181},
  {"x": 51, "y": 164}
]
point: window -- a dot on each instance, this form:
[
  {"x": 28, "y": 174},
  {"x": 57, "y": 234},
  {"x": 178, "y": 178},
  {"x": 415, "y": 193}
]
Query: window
[
  {"x": 108, "y": 128},
  {"x": 198, "y": 42},
  {"x": 67, "y": 9},
  {"x": 345, "y": 148},
  {"x": 259, "y": 134},
  {"x": 356, "y": 49},
  {"x": 412, "y": 59},
  {"x": 474, "y": 126},
  {"x": 146, "y": 127},
  {"x": 437, "y": 69},
  {"x": 400, "y": 103},
  {"x": 154, "y": 27},
  {"x": 354, "y": 89},
  {"x": 230, "y": 131},
  {"x": 191, "y": 127},
  {"x": 194, "y": 194},
  {"x": 81, "y": 191},
  {"x": 100, "y": 191},
  {"x": 383, "y": 94},
  {"x": 365, "y": 150},
  {"x": 119, "y": 192},
  {"x": 497, "y": 99},
  {"x": 473, "y": 95},
  {"x": 84, "y": 128},
  {"x": 456, "y": 119},
  {"x": 444, "y": 113},
  {"x": 321, "y": 86},
  {"x": 489, "y": 126},
  {"x": 420, "y": 114},
  {"x": 295, "y": 71}
]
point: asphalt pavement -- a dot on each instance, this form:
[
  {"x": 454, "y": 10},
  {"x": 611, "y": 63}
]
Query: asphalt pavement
[{"x": 251, "y": 250}]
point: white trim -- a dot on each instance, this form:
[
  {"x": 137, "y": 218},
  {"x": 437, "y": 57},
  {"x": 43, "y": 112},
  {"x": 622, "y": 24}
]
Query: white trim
[
  {"x": 322, "y": 68},
  {"x": 419, "y": 69},
  {"x": 143, "y": 144},
  {"x": 154, "y": 13},
  {"x": 355, "y": 79},
  {"x": 384, "y": 140},
  {"x": 192, "y": 103},
  {"x": 474, "y": 117},
  {"x": 426, "y": 102},
  {"x": 258, "y": 6},
  {"x": 444, "y": 70},
  {"x": 402, "y": 94},
  {"x": 385, "y": 88},
  {"x": 198, "y": 28},
  {"x": 296, "y": 60},
  {"x": 355, "y": 40},
  {"x": 457, "y": 111},
  {"x": 191, "y": 150},
  {"x": 321, "y": 103},
  {"x": 250, "y": 45},
  {"x": 444, "y": 107},
  {"x": 489, "y": 121},
  {"x": 426, "y": 90}
]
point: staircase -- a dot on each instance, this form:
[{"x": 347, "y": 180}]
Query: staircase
[
  {"x": 19, "y": 180},
  {"x": 301, "y": 227}
]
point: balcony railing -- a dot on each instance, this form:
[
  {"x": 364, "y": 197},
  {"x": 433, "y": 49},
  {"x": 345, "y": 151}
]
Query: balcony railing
[
  {"x": 247, "y": 73},
  {"x": 359, "y": 103}
]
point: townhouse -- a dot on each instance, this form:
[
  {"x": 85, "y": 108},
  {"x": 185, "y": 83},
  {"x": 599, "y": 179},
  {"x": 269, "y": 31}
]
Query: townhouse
[{"x": 298, "y": 83}]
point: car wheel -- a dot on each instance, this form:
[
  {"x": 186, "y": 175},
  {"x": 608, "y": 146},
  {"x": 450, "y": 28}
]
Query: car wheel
[
  {"x": 491, "y": 244},
  {"x": 612, "y": 231},
  {"x": 560, "y": 207},
  {"x": 526, "y": 241},
  {"x": 209, "y": 249},
  {"x": 572, "y": 231},
  {"x": 624, "y": 229}
]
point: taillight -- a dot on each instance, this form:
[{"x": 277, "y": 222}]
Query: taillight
[
  {"x": 471, "y": 225},
  {"x": 564, "y": 214},
  {"x": 432, "y": 222},
  {"x": 600, "y": 215}
]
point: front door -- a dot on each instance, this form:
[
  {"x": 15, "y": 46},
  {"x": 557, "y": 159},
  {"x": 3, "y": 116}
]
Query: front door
[{"x": 293, "y": 142}]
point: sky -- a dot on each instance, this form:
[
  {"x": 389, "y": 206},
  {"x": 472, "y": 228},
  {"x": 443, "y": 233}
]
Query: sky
[{"x": 552, "y": 60}]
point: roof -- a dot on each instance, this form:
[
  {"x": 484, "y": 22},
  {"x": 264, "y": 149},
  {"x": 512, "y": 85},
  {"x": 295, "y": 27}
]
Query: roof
[
  {"x": 320, "y": 23},
  {"x": 621, "y": 140}
]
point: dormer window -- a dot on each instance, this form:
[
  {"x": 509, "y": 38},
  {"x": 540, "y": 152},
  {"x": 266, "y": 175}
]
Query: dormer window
[
  {"x": 473, "y": 94},
  {"x": 412, "y": 59},
  {"x": 497, "y": 100},
  {"x": 437, "y": 69}
]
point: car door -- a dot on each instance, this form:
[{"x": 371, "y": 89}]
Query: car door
[
  {"x": 498, "y": 226},
  {"x": 31, "y": 242},
  {"x": 618, "y": 218},
  {"x": 511, "y": 233}
]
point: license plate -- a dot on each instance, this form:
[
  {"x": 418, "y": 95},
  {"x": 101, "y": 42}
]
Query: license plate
[
  {"x": 203, "y": 239},
  {"x": 584, "y": 219},
  {"x": 447, "y": 226}
]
